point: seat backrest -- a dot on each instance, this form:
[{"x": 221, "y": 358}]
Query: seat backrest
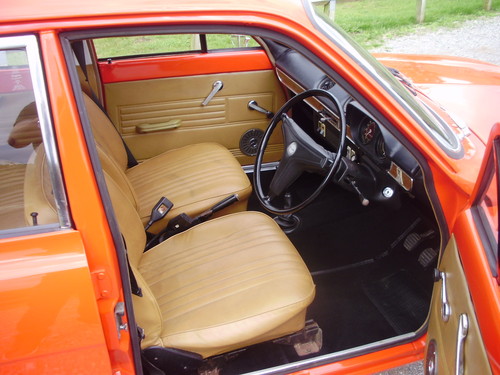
[
  {"x": 147, "y": 311},
  {"x": 105, "y": 134},
  {"x": 39, "y": 198},
  {"x": 110, "y": 148},
  {"x": 38, "y": 193}
]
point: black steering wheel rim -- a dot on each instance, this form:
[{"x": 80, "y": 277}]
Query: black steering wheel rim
[{"x": 264, "y": 199}]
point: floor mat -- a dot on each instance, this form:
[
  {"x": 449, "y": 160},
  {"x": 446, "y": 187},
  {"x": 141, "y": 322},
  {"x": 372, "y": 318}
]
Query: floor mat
[
  {"x": 402, "y": 303},
  {"x": 344, "y": 313}
]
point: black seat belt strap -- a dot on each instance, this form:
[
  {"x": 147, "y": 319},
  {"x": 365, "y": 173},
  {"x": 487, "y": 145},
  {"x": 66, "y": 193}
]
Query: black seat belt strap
[{"x": 134, "y": 286}]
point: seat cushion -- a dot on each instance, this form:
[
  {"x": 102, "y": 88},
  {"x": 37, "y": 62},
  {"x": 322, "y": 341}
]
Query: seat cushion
[
  {"x": 225, "y": 284},
  {"x": 194, "y": 178}
]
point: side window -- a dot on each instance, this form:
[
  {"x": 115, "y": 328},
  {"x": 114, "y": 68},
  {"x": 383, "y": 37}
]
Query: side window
[
  {"x": 145, "y": 45},
  {"x": 486, "y": 209},
  {"x": 226, "y": 41},
  {"x": 27, "y": 194}
]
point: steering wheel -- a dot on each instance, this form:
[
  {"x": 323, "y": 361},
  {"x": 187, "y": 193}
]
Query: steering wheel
[{"x": 301, "y": 153}]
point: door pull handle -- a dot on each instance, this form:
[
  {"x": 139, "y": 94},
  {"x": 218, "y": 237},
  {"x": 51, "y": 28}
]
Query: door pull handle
[
  {"x": 445, "y": 304},
  {"x": 216, "y": 87},
  {"x": 463, "y": 330}
]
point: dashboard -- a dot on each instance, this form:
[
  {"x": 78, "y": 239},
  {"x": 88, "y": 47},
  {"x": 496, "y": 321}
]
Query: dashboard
[{"x": 384, "y": 165}]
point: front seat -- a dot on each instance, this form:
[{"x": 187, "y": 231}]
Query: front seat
[
  {"x": 222, "y": 285},
  {"x": 194, "y": 178}
]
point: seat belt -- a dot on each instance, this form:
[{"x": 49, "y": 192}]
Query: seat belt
[
  {"x": 134, "y": 286},
  {"x": 79, "y": 51}
]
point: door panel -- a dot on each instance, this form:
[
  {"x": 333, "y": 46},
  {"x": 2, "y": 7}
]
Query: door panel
[
  {"x": 445, "y": 331},
  {"x": 48, "y": 308},
  {"x": 178, "y": 101}
]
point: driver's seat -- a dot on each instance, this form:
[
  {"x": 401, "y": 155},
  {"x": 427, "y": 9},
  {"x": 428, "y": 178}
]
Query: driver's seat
[{"x": 194, "y": 177}]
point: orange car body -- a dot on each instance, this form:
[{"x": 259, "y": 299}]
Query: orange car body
[{"x": 59, "y": 289}]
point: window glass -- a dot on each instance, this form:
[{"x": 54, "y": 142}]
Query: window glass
[
  {"x": 146, "y": 45},
  {"x": 486, "y": 209},
  {"x": 24, "y": 176},
  {"x": 225, "y": 41},
  {"x": 162, "y": 44},
  {"x": 489, "y": 205}
]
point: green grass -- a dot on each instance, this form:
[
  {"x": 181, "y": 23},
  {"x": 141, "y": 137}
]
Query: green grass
[
  {"x": 367, "y": 21},
  {"x": 370, "y": 21},
  {"x": 151, "y": 44}
]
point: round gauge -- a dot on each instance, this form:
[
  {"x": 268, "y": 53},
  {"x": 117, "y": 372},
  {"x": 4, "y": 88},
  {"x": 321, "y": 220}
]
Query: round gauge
[
  {"x": 367, "y": 131},
  {"x": 380, "y": 148}
]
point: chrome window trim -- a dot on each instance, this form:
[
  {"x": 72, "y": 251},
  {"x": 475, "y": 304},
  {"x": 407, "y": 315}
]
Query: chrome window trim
[{"x": 30, "y": 44}]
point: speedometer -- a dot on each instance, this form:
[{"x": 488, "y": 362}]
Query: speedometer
[{"x": 367, "y": 131}]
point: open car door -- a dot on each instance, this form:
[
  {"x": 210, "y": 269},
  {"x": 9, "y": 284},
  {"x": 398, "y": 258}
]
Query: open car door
[{"x": 464, "y": 325}]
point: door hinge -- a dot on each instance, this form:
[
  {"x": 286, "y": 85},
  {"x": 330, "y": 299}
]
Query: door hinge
[
  {"x": 119, "y": 314},
  {"x": 102, "y": 284}
]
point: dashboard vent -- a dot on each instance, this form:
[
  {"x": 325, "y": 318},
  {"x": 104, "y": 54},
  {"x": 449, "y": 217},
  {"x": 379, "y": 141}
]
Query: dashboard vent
[{"x": 326, "y": 84}]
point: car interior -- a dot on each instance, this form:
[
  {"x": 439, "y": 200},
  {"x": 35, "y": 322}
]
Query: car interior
[{"x": 271, "y": 216}]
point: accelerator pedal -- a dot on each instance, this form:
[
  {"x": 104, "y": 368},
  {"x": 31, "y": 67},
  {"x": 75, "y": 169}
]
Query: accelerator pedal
[{"x": 427, "y": 257}]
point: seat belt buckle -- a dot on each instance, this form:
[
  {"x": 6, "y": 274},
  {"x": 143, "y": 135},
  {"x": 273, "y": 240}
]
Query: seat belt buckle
[{"x": 159, "y": 211}]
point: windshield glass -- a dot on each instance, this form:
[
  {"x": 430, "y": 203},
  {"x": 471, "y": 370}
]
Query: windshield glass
[{"x": 429, "y": 120}]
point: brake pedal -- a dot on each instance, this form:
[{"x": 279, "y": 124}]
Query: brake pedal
[
  {"x": 413, "y": 240},
  {"x": 427, "y": 257}
]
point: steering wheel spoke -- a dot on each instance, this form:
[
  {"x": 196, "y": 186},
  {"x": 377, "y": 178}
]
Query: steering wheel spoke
[{"x": 301, "y": 154}]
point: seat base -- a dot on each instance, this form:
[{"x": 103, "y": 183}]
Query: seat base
[
  {"x": 226, "y": 284},
  {"x": 193, "y": 178}
]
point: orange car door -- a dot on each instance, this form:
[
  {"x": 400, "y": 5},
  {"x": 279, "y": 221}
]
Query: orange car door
[
  {"x": 464, "y": 327},
  {"x": 48, "y": 310}
]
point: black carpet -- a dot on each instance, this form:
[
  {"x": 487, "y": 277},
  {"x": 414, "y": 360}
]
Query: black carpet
[{"x": 368, "y": 287}]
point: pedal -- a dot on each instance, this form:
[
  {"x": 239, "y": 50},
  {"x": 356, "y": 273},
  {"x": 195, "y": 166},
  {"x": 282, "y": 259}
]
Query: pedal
[
  {"x": 413, "y": 240},
  {"x": 307, "y": 341},
  {"x": 427, "y": 257}
]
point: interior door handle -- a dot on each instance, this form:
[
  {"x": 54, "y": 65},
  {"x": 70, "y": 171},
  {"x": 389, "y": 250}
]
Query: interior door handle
[
  {"x": 252, "y": 104},
  {"x": 445, "y": 304},
  {"x": 216, "y": 87},
  {"x": 463, "y": 330}
]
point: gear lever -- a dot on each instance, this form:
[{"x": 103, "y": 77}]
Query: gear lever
[{"x": 289, "y": 222}]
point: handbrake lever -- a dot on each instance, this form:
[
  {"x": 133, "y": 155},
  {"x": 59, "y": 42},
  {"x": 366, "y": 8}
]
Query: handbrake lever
[{"x": 182, "y": 222}]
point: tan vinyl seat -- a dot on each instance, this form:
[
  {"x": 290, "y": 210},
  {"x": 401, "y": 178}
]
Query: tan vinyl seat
[
  {"x": 225, "y": 284},
  {"x": 194, "y": 177},
  {"x": 222, "y": 285}
]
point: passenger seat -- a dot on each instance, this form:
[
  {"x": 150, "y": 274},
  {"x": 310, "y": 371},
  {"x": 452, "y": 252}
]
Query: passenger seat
[{"x": 194, "y": 178}]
